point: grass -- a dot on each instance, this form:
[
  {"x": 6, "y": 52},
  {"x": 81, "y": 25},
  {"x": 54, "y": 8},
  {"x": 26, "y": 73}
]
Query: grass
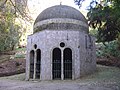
[
  {"x": 19, "y": 56},
  {"x": 20, "y": 49},
  {"x": 20, "y": 53},
  {"x": 104, "y": 74}
]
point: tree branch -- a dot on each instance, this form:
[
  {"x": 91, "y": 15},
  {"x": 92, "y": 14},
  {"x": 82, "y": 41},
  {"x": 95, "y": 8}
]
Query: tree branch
[
  {"x": 2, "y": 5},
  {"x": 23, "y": 14}
]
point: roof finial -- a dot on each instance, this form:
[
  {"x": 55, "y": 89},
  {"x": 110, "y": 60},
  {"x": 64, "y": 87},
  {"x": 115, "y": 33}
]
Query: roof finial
[{"x": 60, "y": 2}]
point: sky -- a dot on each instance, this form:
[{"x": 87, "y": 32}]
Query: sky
[{"x": 37, "y": 6}]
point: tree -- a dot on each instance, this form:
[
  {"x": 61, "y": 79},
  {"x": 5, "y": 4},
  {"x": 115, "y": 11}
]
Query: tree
[
  {"x": 104, "y": 16},
  {"x": 10, "y": 32},
  {"x": 18, "y": 8}
]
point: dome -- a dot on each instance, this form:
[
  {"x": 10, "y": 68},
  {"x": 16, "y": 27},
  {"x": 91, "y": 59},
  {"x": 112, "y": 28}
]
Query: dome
[
  {"x": 59, "y": 14},
  {"x": 60, "y": 11}
]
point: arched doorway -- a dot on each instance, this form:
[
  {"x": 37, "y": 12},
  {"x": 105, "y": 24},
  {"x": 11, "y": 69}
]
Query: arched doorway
[
  {"x": 38, "y": 63},
  {"x": 32, "y": 64},
  {"x": 67, "y": 62},
  {"x": 56, "y": 63}
]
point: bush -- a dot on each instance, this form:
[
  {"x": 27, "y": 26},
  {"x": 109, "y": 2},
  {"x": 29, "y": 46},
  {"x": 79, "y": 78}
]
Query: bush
[{"x": 110, "y": 48}]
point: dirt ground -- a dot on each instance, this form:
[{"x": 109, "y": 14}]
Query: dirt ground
[
  {"x": 105, "y": 78},
  {"x": 14, "y": 85},
  {"x": 11, "y": 67},
  {"x": 109, "y": 61}
]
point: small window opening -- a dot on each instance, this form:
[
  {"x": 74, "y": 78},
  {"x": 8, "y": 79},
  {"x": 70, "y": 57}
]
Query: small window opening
[
  {"x": 62, "y": 44},
  {"x": 35, "y": 46}
]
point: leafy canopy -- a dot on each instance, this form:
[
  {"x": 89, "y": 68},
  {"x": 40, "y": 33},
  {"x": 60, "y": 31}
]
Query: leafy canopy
[
  {"x": 104, "y": 15},
  {"x": 10, "y": 32}
]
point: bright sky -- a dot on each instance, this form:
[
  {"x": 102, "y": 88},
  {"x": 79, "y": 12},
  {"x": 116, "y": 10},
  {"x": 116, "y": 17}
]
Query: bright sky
[{"x": 37, "y": 6}]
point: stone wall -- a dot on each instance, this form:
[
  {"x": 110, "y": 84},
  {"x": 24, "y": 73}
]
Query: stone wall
[{"x": 47, "y": 40}]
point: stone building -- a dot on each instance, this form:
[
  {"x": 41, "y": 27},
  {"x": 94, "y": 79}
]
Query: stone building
[{"x": 61, "y": 46}]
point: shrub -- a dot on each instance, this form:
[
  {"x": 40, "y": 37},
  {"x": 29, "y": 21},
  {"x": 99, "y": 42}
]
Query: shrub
[{"x": 110, "y": 48}]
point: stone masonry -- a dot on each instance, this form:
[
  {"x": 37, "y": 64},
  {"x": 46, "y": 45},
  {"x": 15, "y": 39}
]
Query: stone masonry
[{"x": 64, "y": 30}]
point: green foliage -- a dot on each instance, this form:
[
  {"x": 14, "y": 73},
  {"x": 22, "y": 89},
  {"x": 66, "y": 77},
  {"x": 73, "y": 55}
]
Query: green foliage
[
  {"x": 119, "y": 41},
  {"x": 20, "y": 56},
  {"x": 20, "y": 53},
  {"x": 104, "y": 17},
  {"x": 93, "y": 32},
  {"x": 21, "y": 49},
  {"x": 110, "y": 48},
  {"x": 8, "y": 41},
  {"x": 9, "y": 31},
  {"x": 104, "y": 20}
]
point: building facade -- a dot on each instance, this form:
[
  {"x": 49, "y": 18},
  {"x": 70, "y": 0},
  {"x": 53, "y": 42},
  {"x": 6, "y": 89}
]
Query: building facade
[{"x": 61, "y": 46}]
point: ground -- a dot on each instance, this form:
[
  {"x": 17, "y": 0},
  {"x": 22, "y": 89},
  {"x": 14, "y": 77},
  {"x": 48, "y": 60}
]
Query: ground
[
  {"x": 12, "y": 62},
  {"x": 105, "y": 78},
  {"x": 12, "y": 67},
  {"x": 109, "y": 61}
]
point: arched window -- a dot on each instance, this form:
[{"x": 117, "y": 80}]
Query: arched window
[
  {"x": 32, "y": 64},
  {"x": 67, "y": 62},
  {"x": 38, "y": 63},
  {"x": 56, "y": 63}
]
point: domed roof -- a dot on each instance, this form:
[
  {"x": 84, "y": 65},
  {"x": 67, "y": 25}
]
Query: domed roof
[
  {"x": 60, "y": 17},
  {"x": 60, "y": 11}
]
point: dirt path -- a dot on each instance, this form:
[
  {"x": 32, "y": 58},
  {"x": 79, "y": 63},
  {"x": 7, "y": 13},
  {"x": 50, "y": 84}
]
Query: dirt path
[
  {"x": 64, "y": 85},
  {"x": 106, "y": 78}
]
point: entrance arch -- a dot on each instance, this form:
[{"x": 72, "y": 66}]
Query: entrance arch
[
  {"x": 32, "y": 53},
  {"x": 56, "y": 63},
  {"x": 67, "y": 62},
  {"x": 38, "y": 63}
]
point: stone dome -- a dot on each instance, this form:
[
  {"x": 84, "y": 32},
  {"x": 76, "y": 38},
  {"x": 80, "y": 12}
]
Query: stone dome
[{"x": 54, "y": 17}]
